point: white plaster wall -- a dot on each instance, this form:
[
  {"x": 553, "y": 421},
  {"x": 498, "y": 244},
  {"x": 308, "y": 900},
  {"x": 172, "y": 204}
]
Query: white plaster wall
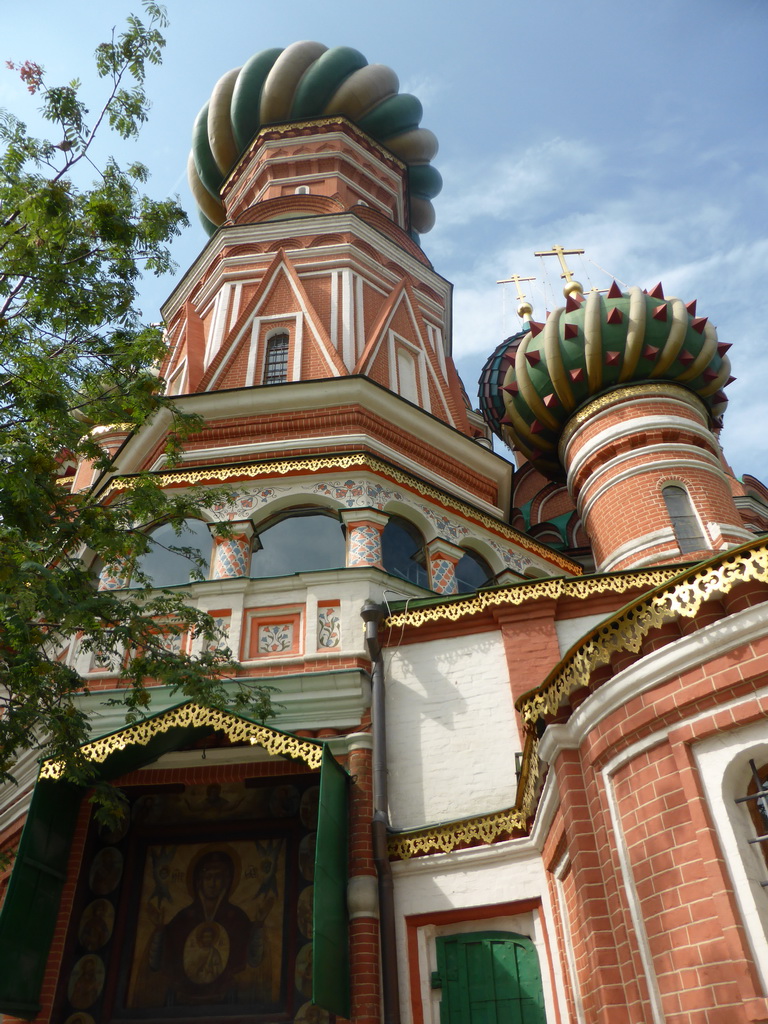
[
  {"x": 570, "y": 631},
  {"x": 478, "y": 878},
  {"x": 451, "y": 730}
]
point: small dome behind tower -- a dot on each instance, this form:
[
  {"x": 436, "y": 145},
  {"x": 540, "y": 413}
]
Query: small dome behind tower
[{"x": 489, "y": 393}]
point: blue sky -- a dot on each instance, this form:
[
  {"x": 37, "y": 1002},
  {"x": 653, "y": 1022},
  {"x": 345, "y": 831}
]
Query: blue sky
[{"x": 636, "y": 132}]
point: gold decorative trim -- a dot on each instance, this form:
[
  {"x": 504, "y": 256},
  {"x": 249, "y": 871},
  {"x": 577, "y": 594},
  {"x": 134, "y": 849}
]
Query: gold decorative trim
[
  {"x": 283, "y": 467},
  {"x": 623, "y": 394},
  {"x": 520, "y": 593},
  {"x": 222, "y": 474},
  {"x": 446, "y": 838},
  {"x": 627, "y": 630},
  {"x": 622, "y": 632},
  {"x": 237, "y": 730},
  {"x": 486, "y": 829}
]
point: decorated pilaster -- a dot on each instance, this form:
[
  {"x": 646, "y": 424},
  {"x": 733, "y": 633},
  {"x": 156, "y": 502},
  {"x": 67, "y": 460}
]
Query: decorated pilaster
[
  {"x": 443, "y": 559},
  {"x": 362, "y": 891},
  {"x": 115, "y": 576},
  {"x": 364, "y": 530},
  {"x": 232, "y": 555}
]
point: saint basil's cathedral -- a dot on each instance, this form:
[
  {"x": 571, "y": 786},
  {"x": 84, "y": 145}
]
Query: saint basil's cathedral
[{"x": 517, "y": 767}]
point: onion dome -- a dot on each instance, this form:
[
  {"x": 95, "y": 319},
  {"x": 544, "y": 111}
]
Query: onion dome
[
  {"x": 304, "y": 81},
  {"x": 598, "y": 343},
  {"x": 492, "y": 375}
]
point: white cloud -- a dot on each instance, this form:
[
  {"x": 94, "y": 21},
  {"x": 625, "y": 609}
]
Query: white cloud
[
  {"x": 511, "y": 185},
  {"x": 428, "y": 89},
  {"x": 641, "y": 224}
]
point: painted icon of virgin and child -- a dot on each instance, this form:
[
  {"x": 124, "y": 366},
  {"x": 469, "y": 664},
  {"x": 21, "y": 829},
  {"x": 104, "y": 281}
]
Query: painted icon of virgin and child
[{"x": 195, "y": 958}]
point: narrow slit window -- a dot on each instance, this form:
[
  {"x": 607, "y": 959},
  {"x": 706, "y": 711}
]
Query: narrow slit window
[
  {"x": 685, "y": 522},
  {"x": 276, "y": 362}
]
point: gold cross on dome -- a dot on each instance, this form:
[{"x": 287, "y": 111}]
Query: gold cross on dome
[
  {"x": 561, "y": 253},
  {"x": 524, "y": 309},
  {"x": 515, "y": 279}
]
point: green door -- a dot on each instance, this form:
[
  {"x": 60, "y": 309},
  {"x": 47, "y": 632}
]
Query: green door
[{"x": 489, "y": 978}]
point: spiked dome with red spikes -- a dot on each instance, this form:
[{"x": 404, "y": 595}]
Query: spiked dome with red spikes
[{"x": 600, "y": 342}]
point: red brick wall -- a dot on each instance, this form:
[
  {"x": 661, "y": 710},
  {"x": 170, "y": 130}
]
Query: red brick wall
[
  {"x": 638, "y": 834},
  {"x": 621, "y": 502}
]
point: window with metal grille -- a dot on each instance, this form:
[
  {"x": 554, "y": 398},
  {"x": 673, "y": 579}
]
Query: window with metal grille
[
  {"x": 685, "y": 522},
  {"x": 276, "y": 362},
  {"x": 756, "y": 799}
]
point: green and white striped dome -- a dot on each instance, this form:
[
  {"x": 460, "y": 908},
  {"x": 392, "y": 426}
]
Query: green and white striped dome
[
  {"x": 303, "y": 81},
  {"x": 598, "y": 343}
]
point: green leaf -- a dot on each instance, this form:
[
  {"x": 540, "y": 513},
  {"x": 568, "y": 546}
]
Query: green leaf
[{"x": 75, "y": 354}]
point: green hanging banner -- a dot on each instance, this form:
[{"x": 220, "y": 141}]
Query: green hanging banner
[
  {"x": 31, "y": 904},
  {"x": 330, "y": 974}
]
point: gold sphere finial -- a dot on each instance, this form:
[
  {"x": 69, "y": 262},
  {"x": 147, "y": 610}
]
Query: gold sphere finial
[
  {"x": 524, "y": 308},
  {"x": 573, "y": 288}
]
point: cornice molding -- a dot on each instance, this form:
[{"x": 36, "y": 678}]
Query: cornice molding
[{"x": 652, "y": 670}]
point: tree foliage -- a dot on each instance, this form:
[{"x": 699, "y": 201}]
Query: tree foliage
[{"x": 75, "y": 355}]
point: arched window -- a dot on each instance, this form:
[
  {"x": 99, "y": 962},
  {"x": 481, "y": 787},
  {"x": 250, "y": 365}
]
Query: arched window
[
  {"x": 685, "y": 522},
  {"x": 472, "y": 571},
  {"x": 756, "y": 799},
  {"x": 302, "y": 540},
  {"x": 165, "y": 567},
  {"x": 276, "y": 361},
  {"x": 732, "y": 766},
  {"x": 402, "y": 550}
]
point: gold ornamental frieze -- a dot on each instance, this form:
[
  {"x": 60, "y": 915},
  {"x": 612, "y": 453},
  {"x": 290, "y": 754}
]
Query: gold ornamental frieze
[
  {"x": 683, "y": 597},
  {"x": 237, "y": 730},
  {"x": 486, "y": 830},
  {"x": 452, "y": 610},
  {"x": 319, "y": 464}
]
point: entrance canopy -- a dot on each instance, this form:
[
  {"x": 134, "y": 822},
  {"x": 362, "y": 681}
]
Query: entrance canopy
[{"x": 29, "y": 914}]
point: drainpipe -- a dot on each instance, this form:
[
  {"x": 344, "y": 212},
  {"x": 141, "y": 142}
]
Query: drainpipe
[{"x": 372, "y": 614}]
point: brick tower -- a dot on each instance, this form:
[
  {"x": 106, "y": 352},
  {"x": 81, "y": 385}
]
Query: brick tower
[
  {"x": 495, "y": 787},
  {"x": 621, "y": 395},
  {"x": 312, "y": 339}
]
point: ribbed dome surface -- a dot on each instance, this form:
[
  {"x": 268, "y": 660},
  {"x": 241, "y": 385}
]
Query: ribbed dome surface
[
  {"x": 303, "y": 81},
  {"x": 597, "y": 343},
  {"x": 489, "y": 391}
]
